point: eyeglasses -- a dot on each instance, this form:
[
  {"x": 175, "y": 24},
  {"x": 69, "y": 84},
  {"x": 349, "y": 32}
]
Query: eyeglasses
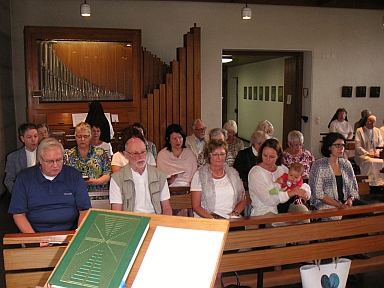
[
  {"x": 218, "y": 154},
  {"x": 297, "y": 145},
  {"x": 137, "y": 154},
  {"x": 51, "y": 162},
  {"x": 339, "y": 145},
  {"x": 82, "y": 136},
  {"x": 201, "y": 129}
]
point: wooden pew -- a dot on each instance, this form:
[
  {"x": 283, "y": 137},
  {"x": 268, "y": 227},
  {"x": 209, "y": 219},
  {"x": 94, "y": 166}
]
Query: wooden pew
[
  {"x": 100, "y": 203},
  {"x": 323, "y": 240}
]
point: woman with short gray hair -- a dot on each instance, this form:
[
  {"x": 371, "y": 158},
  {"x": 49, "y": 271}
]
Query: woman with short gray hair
[
  {"x": 296, "y": 152},
  {"x": 217, "y": 133}
]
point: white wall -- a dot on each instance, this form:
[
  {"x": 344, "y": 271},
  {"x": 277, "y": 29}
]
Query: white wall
[
  {"x": 251, "y": 112},
  {"x": 347, "y": 45}
]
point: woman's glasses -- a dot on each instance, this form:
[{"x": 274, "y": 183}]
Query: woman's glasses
[
  {"x": 339, "y": 145},
  {"x": 218, "y": 154}
]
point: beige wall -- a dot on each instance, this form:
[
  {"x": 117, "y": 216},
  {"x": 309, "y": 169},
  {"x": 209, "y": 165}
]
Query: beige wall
[
  {"x": 7, "y": 109},
  {"x": 346, "y": 45}
]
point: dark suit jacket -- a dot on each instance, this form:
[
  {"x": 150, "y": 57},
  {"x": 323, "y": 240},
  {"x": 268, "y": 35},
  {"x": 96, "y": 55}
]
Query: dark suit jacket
[
  {"x": 244, "y": 162},
  {"x": 16, "y": 161}
]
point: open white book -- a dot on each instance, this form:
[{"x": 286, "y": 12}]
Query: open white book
[{"x": 178, "y": 257}]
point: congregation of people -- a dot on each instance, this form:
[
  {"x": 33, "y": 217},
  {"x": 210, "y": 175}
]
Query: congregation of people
[{"x": 50, "y": 184}]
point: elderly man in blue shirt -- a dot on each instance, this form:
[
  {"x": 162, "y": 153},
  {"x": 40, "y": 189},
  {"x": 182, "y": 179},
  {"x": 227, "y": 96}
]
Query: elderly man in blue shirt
[{"x": 49, "y": 196}]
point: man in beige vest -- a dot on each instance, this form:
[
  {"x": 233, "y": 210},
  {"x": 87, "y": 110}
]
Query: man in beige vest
[{"x": 138, "y": 187}]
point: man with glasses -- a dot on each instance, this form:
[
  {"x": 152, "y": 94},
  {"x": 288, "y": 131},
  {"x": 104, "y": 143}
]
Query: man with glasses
[
  {"x": 138, "y": 187},
  {"x": 24, "y": 157},
  {"x": 49, "y": 196},
  {"x": 197, "y": 140}
]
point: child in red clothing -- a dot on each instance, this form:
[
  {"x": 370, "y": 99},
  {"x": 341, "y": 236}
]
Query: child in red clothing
[{"x": 292, "y": 179}]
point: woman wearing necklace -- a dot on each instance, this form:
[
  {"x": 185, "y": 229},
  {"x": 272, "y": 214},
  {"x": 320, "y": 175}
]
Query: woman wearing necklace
[
  {"x": 92, "y": 162},
  {"x": 216, "y": 188},
  {"x": 175, "y": 157},
  {"x": 262, "y": 182},
  {"x": 332, "y": 179}
]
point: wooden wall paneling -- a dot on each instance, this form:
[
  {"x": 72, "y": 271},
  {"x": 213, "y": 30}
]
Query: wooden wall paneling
[
  {"x": 40, "y": 118},
  {"x": 163, "y": 116},
  {"x": 176, "y": 93},
  {"x": 156, "y": 117},
  {"x": 145, "y": 72},
  {"x": 150, "y": 125},
  {"x": 188, "y": 44},
  {"x": 144, "y": 112},
  {"x": 181, "y": 57},
  {"x": 151, "y": 66},
  {"x": 156, "y": 73},
  {"x": 196, "y": 71},
  {"x": 169, "y": 91}
]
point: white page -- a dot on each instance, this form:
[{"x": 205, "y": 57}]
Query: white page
[{"x": 179, "y": 257}]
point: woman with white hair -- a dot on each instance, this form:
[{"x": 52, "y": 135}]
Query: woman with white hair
[
  {"x": 266, "y": 127},
  {"x": 216, "y": 133},
  {"x": 234, "y": 143},
  {"x": 296, "y": 152}
]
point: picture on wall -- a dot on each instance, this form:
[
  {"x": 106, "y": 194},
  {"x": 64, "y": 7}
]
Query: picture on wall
[
  {"x": 273, "y": 93},
  {"x": 346, "y": 91},
  {"x": 261, "y": 91},
  {"x": 266, "y": 93},
  {"x": 254, "y": 92},
  {"x": 250, "y": 93},
  {"x": 361, "y": 91},
  {"x": 280, "y": 94},
  {"x": 374, "y": 92},
  {"x": 245, "y": 92}
]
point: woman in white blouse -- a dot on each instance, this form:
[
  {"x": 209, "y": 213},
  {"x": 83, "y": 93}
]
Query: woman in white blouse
[{"x": 262, "y": 178}]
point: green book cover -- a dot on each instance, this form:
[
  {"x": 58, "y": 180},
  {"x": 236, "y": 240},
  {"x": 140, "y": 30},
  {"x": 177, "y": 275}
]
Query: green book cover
[{"x": 102, "y": 251}]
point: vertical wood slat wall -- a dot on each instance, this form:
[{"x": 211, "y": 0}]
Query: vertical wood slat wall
[{"x": 172, "y": 94}]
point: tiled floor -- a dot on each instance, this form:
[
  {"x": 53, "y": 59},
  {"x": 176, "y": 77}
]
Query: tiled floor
[{"x": 368, "y": 280}]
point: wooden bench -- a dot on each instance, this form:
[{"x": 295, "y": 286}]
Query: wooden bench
[
  {"x": 273, "y": 246},
  {"x": 98, "y": 199}
]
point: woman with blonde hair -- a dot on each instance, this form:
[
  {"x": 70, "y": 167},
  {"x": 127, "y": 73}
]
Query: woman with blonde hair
[{"x": 92, "y": 162}]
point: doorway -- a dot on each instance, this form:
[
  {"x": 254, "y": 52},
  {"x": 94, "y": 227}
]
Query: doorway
[{"x": 286, "y": 115}]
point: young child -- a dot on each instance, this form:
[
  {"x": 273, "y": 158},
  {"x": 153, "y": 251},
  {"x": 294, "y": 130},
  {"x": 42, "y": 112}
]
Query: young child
[{"x": 292, "y": 179}]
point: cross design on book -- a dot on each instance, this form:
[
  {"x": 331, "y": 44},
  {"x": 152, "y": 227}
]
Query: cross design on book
[{"x": 99, "y": 255}]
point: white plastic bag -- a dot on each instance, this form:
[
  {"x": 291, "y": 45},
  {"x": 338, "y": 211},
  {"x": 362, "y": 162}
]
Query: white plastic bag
[{"x": 332, "y": 275}]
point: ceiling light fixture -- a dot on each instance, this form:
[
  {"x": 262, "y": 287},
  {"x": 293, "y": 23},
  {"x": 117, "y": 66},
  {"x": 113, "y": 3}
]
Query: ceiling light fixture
[
  {"x": 246, "y": 12},
  {"x": 226, "y": 59},
  {"x": 85, "y": 9}
]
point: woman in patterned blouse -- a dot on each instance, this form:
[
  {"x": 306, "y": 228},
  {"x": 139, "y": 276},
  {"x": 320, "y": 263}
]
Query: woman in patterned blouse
[
  {"x": 296, "y": 152},
  {"x": 92, "y": 162}
]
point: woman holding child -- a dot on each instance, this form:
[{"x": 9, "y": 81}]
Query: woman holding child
[
  {"x": 216, "y": 187},
  {"x": 264, "y": 189}
]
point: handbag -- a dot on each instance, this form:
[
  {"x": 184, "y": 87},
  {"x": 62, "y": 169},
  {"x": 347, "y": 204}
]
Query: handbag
[
  {"x": 332, "y": 275},
  {"x": 237, "y": 285}
]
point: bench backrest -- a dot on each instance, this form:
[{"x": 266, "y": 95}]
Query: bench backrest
[
  {"x": 327, "y": 239},
  {"x": 100, "y": 199}
]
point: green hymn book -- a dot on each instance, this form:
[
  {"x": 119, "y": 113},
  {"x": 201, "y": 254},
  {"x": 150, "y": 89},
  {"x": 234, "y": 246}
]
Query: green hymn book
[{"x": 102, "y": 252}]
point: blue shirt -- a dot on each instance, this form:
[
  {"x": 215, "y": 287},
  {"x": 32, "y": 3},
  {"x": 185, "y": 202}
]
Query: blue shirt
[{"x": 50, "y": 205}]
